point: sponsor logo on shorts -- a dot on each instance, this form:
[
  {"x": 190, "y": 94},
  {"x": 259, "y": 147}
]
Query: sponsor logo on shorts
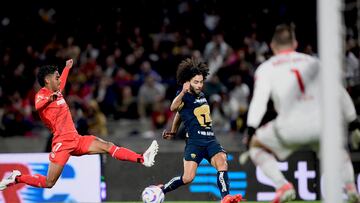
[{"x": 193, "y": 156}]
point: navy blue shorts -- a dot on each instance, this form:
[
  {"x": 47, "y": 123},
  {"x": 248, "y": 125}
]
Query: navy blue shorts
[{"x": 197, "y": 153}]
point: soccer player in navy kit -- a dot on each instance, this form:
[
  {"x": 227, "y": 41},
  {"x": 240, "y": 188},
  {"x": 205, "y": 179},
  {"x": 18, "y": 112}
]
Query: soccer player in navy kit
[{"x": 192, "y": 109}]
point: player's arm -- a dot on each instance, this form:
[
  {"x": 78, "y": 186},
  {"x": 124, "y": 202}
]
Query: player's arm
[
  {"x": 176, "y": 123},
  {"x": 258, "y": 102},
  {"x": 65, "y": 73},
  {"x": 42, "y": 101},
  {"x": 350, "y": 117},
  {"x": 174, "y": 127},
  {"x": 176, "y": 103},
  {"x": 354, "y": 128},
  {"x": 347, "y": 106}
]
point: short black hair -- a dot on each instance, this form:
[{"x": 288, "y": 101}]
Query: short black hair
[
  {"x": 284, "y": 34},
  {"x": 189, "y": 68},
  {"x": 45, "y": 71}
]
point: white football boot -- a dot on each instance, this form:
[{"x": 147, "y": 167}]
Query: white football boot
[{"x": 150, "y": 153}]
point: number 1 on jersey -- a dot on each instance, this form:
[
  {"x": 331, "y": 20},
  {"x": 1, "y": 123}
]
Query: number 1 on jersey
[{"x": 299, "y": 80}]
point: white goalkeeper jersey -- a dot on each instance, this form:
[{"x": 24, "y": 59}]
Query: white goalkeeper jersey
[{"x": 291, "y": 80}]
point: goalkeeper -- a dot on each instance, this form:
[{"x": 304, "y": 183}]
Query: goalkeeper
[{"x": 291, "y": 79}]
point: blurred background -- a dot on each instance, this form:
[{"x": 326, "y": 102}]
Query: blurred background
[{"x": 123, "y": 79}]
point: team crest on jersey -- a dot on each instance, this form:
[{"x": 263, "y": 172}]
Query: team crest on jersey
[{"x": 193, "y": 156}]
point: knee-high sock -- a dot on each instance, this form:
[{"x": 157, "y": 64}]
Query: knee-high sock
[
  {"x": 36, "y": 180},
  {"x": 173, "y": 184},
  {"x": 223, "y": 183},
  {"x": 268, "y": 164},
  {"x": 124, "y": 154}
]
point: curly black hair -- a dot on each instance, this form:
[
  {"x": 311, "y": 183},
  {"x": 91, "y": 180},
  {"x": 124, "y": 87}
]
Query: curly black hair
[
  {"x": 45, "y": 71},
  {"x": 189, "y": 68}
]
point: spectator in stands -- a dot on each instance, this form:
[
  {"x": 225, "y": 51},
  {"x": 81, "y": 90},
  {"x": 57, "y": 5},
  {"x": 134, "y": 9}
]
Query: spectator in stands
[
  {"x": 17, "y": 118},
  {"x": 220, "y": 117},
  {"x": 214, "y": 86},
  {"x": 150, "y": 93},
  {"x": 352, "y": 66},
  {"x": 217, "y": 44},
  {"x": 127, "y": 107},
  {"x": 239, "y": 103},
  {"x": 145, "y": 70},
  {"x": 96, "y": 119},
  {"x": 160, "y": 115}
]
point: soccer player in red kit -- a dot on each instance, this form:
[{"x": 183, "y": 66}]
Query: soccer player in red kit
[{"x": 55, "y": 114}]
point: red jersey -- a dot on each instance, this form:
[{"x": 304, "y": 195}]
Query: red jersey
[{"x": 56, "y": 115}]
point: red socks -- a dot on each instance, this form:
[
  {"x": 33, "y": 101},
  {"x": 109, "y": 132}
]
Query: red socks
[
  {"x": 119, "y": 153},
  {"x": 33, "y": 180},
  {"x": 124, "y": 154}
]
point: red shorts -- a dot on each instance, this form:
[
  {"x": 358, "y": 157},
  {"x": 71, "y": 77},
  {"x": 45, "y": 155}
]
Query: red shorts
[{"x": 62, "y": 150}]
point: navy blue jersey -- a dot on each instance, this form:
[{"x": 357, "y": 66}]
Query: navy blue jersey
[{"x": 195, "y": 114}]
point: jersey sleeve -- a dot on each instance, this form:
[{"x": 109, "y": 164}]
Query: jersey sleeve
[
  {"x": 63, "y": 78},
  {"x": 182, "y": 102},
  {"x": 347, "y": 106},
  {"x": 260, "y": 98},
  {"x": 40, "y": 101}
]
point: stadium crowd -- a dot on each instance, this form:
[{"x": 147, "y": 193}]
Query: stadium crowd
[{"x": 125, "y": 59}]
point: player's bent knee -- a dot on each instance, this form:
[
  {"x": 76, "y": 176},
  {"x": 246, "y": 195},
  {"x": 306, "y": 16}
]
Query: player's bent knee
[{"x": 220, "y": 162}]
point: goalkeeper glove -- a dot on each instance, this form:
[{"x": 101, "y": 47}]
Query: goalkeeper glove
[
  {"x": 355, "y": 138},
  {"x": 354, "y": 128}
]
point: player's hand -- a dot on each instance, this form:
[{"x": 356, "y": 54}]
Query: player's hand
[
  {"x": 69, "y": 63},
  {"x": 354, "y": 129},
  {"x": 186, "y": 87},
  {"x": 244, "y": 157},
  {"x": 167, "y": 135},
  {"x": 355, "y": 139},
  {"x": 53, "y": 96}
]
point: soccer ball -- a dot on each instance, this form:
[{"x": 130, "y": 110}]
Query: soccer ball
[{"x": 153, "y": 194}]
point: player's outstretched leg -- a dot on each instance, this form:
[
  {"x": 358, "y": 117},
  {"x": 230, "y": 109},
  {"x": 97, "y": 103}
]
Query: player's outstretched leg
[
  {"x": 10, "y": 180},
  {"x": 150, "y": 153},
  {"x": 124, "y": 154}
]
